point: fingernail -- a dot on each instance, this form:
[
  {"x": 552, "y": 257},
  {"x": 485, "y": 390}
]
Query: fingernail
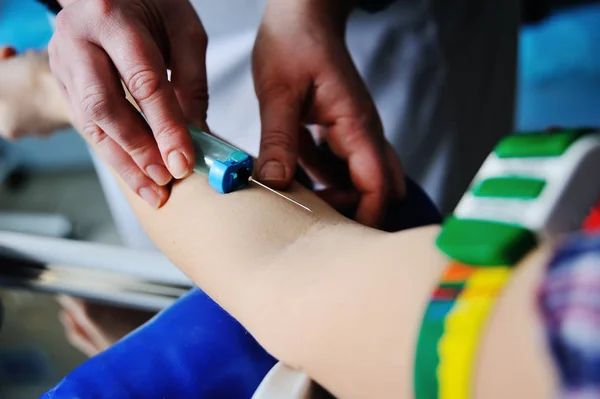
[
  {"x": 159, "y": 174},
  {"x": 178, "y": 165},
  {"x": 272, "y": 170},
  {"x": 150, "y": 196}
]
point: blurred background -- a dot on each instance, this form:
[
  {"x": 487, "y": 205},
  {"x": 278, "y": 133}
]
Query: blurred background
[
  {"x": 559, "y": 84},
  {"x": 52, "y": 176}
]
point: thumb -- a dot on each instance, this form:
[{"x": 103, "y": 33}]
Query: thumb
[{"x": 280, "y": 118}]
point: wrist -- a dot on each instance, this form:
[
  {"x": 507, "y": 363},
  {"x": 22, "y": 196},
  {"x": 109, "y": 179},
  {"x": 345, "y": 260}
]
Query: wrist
[{"x": 327, "y": 13}]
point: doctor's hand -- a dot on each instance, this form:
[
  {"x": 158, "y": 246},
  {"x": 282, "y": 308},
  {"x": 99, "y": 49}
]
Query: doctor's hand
[
  {"x": 100, "y": 43},
  {"x": 303, "y": 76},
  {"x": 30, "y": 100}
]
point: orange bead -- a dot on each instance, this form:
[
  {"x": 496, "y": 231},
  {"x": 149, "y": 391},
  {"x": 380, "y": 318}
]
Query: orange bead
[{"x": 457, "y": 272}]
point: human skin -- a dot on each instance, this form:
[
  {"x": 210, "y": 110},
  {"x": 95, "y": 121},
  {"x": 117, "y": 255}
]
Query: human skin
[
  {"x": 100, "y": 44},
  {"x": 338, "y": 300},
  {"x": 30, "y": 101},
  {"x": 304, "y": 76}
]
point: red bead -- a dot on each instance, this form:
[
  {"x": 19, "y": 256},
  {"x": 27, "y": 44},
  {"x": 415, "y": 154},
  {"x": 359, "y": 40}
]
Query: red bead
[
  {"x": 592, "y": 223},
  {"x": 445, "y": 294}
]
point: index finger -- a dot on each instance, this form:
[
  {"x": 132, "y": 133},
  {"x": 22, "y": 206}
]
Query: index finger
[
  {"x": 368, "y": 173},
  {"x": 366, "y": 160},
  {"x": 140, "y": 64}
]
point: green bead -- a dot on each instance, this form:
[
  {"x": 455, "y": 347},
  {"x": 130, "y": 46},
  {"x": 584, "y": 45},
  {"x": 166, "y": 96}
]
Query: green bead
[
  {"x": 484, "y": 243},
  {"x": 427, "y": 360},
  {"x": 510, "y": 187},
  {"x": 538, "y": 145},
  {"x": 457, "y": 285}
]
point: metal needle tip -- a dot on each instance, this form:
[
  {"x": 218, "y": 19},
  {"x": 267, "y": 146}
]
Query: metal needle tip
[{"x": 278, "y": 193}]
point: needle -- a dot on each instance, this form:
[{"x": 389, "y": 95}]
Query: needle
[{"x": 278, "y": 193}]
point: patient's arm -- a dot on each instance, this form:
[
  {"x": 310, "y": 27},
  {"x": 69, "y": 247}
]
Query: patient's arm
[
  {"x": 340, "y": 301},
  {"x": 229, "y": 242}
]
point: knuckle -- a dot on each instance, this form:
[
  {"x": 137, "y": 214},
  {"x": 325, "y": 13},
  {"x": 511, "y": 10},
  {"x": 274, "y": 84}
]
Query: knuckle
[
  {"x": 143, "y": 84},
  {"x": 198, "y": 90},
  {"x": 101, "y": 8},
  {"x": 278, "y": 140},
  {"x": 359, "y": 132},
  {"x": 95, "y": 103},
  {"x": 355, "y": 136},
  {"x": 136, "y": 147},
  {"x": 90, "y": 14},
  {"x": 65, "y": 24},
  {"x": 274, "y": 90},
  {"x": 168, "y": 132},
  {"x": 132, "y": 176},
  {"x": 94, "y": 134}
]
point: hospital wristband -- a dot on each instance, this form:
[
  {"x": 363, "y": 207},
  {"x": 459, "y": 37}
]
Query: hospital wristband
[{"x": 531, "y": 185}]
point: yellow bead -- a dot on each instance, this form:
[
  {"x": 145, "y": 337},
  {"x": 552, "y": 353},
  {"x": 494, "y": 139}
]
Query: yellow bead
[{"x": 462, "y": 331}]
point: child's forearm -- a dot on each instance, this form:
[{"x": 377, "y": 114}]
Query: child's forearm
[
  {"x": 223, "y": 242},
  {"x": 342, "y": 303},
  {"x": 304, "y": 284},
  {"x": 338, "y": 300},
  {"x": 513, "y": 360}
]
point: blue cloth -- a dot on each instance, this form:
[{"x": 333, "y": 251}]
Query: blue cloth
[
  {"x": 564, "y": 45},
  {"x": 416, "y": 210},
  {"x": 194, "y": 349},
  {"x": 559, "y": 71},
  {"x": 25, "y": 24}
]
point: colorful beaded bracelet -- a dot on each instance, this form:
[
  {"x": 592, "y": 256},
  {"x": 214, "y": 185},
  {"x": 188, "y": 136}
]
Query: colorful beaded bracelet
[{"x": 532, "y": 185}]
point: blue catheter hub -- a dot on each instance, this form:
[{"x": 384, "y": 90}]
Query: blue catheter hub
[{"x": 232, "y": 174}]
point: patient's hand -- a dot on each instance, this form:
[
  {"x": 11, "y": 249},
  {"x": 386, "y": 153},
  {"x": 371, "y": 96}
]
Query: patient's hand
[
  {"x": 30, "y": 100},
  {"x": 93, "y": 327}
]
